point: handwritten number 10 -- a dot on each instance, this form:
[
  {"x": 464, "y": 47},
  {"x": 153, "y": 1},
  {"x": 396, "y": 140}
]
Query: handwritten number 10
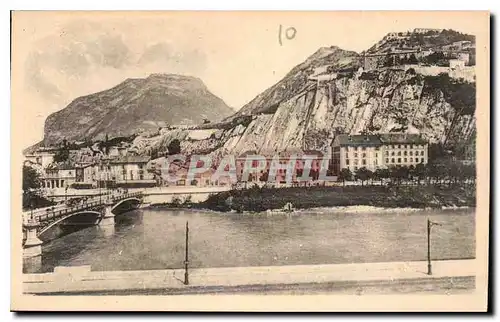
[{"x": 289, "y": 33}]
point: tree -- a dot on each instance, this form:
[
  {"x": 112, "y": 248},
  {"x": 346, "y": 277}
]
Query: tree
[
  {"x": 31, "y": 189},
  {"x": 469, "y": 172},
  {"x": 345, "y": 174},
  {"x": 363, "y": 174},
  {"x": 61, "y": 155},
  {"x": 174, "y": 147},
  {"x": 31, "y": 179},
  {"x": 384, "y": 174},
  {"x": 419, "y": 172},
  {"x": 411, "y": 172},
  {"x": 394, "y": 174},
  {"x": 412, "y": 59},
  {"x": 454, "y": 172},
  {"x": 404, "y": 172},
  {"x": 380, "y": 174}
]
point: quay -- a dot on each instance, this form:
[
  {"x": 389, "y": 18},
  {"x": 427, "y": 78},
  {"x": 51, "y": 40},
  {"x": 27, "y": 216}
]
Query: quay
[{"x": 82, "y": 280}]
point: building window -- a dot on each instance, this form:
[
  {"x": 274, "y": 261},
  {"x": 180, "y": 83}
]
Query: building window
[
  {"x": 355, "y": 168},
  {"x": 364, "y": 155},
  {"x": 416, "y": 160},
  {"x": 355, "y": 155},
  {"x": 386, "y": 160},
  {"x": 405, "y": 153},
  {"x": 406, "y": 147},
  {"x": 356, "y": 162},
  {"x": 376, "y": 155},
  {"x": 405, "y": 160},
  {"x": 422, "y": 153},
  {"x": 347, "y": 161},
  {"x": 399, "y": 153},
  {"x": 399, "y": 146},
  {"x": 411, "y": 153},
  {"x": 411, "y": 160},
  {"x": 392, "y": 153},
  {"x": 363, "y": 148},
  {"x": 387, "y": 153},
  {"x": 376, "y": 161},
  {"x": 399, "y": 160},
  {"x": 377, "y": 148},
  {"x": 364, "y": 162},
  {"x": 392, "y": 160}
]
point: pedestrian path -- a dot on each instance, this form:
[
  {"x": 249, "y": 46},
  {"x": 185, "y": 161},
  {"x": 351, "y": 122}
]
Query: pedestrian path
[{"x": 82, "y": 279}]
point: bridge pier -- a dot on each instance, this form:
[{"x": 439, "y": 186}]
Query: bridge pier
[
  {"x": 108, "y": 217},
  {"x": 33, "y": 245}
]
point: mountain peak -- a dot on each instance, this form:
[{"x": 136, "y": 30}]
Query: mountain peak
[
  {"x": 135, "y": 105},
  {"x": 173, "y": 77}
]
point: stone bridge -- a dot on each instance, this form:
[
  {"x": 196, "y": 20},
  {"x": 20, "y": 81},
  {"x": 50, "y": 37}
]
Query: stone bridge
[{"x": 100, "y": 210}]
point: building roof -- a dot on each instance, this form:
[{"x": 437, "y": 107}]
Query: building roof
[
  {"x": 379, "y": 139},
  {"x": 360, "y": 139},
  {"x": 130, "y": 159},
  {"x": 404, "y": 138},
  {"x": 61, "y": 166}
]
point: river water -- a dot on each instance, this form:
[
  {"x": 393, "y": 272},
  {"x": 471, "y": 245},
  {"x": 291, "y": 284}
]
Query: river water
[{"x": 155, "y": 239}]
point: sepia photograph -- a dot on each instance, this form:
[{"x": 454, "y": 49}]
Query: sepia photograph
[{"x": 252, "y": 157}]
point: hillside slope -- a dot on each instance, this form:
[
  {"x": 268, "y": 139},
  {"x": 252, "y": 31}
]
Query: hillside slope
[{"x": 135, "y": 106}]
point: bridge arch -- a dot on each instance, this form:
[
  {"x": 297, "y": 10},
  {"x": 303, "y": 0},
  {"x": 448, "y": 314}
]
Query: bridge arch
[
  {"x": 121, "y": 202},
  {"x": 61, "y": 219}
]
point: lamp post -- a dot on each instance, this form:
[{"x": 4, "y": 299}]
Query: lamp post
[
  {"x": 429, "y": 225},
  {"x": 99, "y": 183},
  {"x": 186, "y": 260},
  {"x": 32, "y": 204}
]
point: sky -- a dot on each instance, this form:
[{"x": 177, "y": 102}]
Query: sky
[{"x": 57, "y": 57}]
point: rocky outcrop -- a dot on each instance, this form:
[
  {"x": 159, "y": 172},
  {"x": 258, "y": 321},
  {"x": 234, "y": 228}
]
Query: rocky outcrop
[{"x": 439, "y": 108}]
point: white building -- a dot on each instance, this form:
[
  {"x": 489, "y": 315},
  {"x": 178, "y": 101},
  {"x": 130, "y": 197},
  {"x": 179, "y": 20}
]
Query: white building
[
  {"x": 86, "y": 173},
  {"x": 59, "y": 176},
  {"x": 43, "y": 158},
  {"x": 128, "y": 169},
  {"x": 457, "y": 63},
  {"x": 426, "y": 30},
  {"x": 378, "y": 151},
  {"x": 465, "y": 57}
]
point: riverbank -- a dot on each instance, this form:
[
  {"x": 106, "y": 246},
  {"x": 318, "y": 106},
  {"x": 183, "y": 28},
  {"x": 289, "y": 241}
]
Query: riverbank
[
  {"x": 418, "y": 196},
  {"x": 233, "y": 279}
]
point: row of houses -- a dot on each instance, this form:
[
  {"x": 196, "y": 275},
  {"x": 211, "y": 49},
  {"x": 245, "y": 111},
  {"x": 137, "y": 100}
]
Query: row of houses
[
  {"x": 114, "y": 169},
  {"x": 371, "y": 151},
  {"x": 348, "y": 151}
]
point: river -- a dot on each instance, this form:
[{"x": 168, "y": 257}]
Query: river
[{"x": 154, "y": 239}]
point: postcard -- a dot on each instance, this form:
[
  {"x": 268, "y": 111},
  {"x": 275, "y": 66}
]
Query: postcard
[{"x": 250, "y": 161}]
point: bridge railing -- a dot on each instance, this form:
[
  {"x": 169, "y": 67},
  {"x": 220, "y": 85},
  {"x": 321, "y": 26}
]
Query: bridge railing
[
  {"x": 59, "y": 213},
  {"x": 52, "y": 213}
]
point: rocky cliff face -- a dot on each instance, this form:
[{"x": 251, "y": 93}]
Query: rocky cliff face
[
  {"x": 135, "y": 106},
  {"x": 305, "y": 110}
]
